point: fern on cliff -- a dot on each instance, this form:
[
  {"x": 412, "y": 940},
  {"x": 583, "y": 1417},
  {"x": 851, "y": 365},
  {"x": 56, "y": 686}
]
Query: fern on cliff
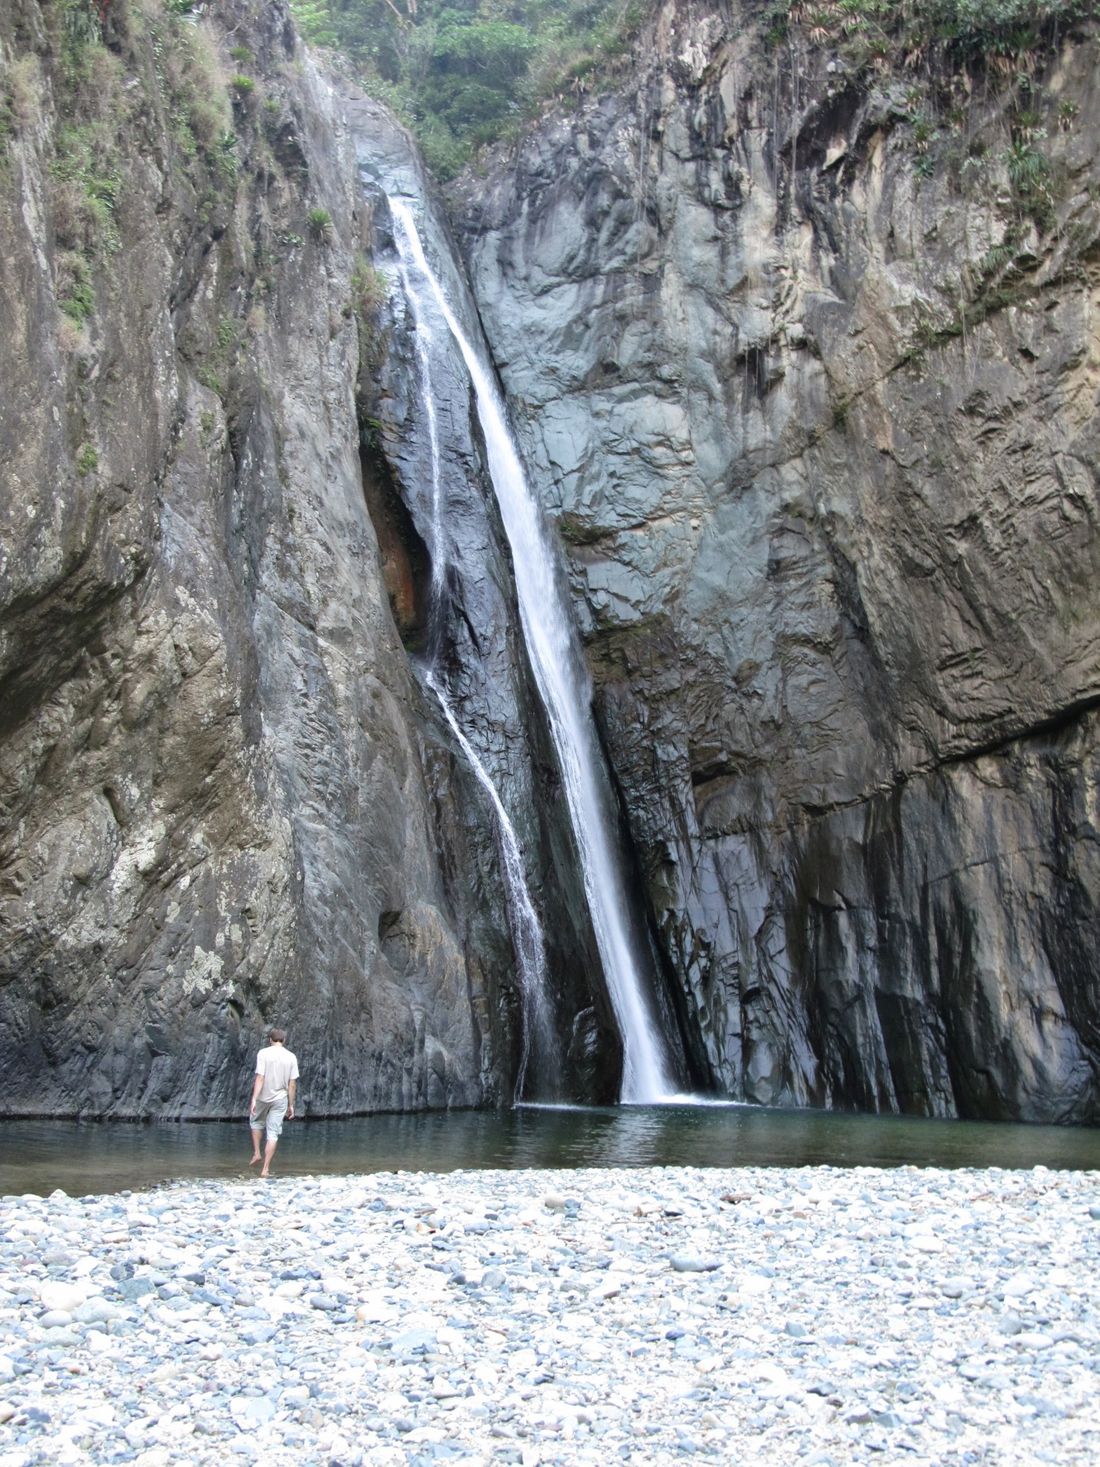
[{"x": 994, "y": 32}]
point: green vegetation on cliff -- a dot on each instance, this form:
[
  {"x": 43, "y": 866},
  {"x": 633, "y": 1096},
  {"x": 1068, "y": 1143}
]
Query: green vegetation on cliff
[
  {"x": 110, "y": 106},
  {"x": 999, "y": 33},
  {"x": 113, "y": 70},
  {"x": 966, "y": 86},
  {"x": 462, "y": 72}
]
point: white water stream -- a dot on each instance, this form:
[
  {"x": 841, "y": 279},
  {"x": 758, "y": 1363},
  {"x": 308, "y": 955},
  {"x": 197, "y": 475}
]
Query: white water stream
[
  {"x": 538, "y": 1027},
  {"x": 561, "y": 680}
]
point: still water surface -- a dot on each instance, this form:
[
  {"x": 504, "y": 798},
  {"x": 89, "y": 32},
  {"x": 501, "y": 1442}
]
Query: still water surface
[{"x": 88, "y": 1156}]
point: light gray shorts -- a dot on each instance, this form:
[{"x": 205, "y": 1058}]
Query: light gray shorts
[{"x": 269, "y": 1116}]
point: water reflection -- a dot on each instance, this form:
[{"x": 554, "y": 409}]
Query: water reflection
[{"x": 82, "y": 1157}]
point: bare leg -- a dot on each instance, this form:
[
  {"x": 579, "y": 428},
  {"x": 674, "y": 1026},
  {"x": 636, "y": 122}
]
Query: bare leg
[
  {"x": 269, "y": 1152},
  {"x": 255, "y": 1146}
]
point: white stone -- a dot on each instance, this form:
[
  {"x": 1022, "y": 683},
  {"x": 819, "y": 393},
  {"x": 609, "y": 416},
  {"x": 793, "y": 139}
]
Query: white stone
[
  {"x": 927, "y": 1243},
  {"x": 1018, "y": 1286},
  {"x": 56, "y": 1294},
  {"x": 250, "y": 1412}
]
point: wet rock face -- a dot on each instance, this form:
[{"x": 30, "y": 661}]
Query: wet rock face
[
  {"x": 469, "y": 642},
  {"x": 817, "y": 421},
  {"x": 214, "y": 806}
]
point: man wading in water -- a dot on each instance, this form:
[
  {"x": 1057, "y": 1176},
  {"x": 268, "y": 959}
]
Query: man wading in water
[{"x": 272, "y": 1096}]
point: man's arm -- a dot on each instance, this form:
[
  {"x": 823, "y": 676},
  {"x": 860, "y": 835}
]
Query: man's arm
[
  {"x": 256, "y": 1088},
  {"x": 292, "y": 1091}
]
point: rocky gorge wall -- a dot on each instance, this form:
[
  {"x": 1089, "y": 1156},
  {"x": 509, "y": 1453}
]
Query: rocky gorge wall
[
  {"x": 224, "y": 798},
  {"x": 804, "y": 352}
]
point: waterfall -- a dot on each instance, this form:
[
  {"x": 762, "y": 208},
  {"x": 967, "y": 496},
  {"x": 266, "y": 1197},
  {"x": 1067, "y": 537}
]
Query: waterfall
[
  {"x": 538, "y": 1037},
  {"x": 562, "y": 683},
  {"x": 538, "y": 1026}
]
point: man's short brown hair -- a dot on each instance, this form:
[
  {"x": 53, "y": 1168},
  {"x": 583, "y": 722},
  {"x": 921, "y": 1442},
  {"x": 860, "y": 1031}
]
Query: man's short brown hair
[{"x": 277, "y": 1036}]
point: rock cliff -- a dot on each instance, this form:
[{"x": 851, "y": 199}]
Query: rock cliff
[
  {"x": 803, "y": 345},
  {"x": 800, "y": 330},
  {"x": 224, "y": 797}
]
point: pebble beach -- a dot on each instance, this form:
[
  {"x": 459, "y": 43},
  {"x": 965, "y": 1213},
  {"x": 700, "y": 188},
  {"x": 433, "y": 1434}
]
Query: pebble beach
[{"x": 767, "y": 1316}]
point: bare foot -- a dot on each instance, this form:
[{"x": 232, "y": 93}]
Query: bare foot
[
  {"x": 254, "y": 1160},
  {"x": 263, "y": 1176}
]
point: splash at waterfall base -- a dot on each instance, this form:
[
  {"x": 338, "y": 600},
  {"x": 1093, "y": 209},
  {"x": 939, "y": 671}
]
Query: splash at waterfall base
[{"x": 659, "y": 1315}]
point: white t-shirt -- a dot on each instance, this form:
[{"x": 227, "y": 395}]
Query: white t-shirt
[{"x": 278, "y": 1067}]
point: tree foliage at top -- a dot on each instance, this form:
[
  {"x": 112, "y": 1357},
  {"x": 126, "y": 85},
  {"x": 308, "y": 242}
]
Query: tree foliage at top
[{"x": 462, "y": 72}]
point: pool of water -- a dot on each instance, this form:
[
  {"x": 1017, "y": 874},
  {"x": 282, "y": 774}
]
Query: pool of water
[{"x": 109, "y": 1156}]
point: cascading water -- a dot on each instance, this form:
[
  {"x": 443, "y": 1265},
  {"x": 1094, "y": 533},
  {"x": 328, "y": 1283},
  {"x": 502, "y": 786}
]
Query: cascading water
[
  {"x": 561, "y": 681},
  {"x": 539, "y": 1038}
]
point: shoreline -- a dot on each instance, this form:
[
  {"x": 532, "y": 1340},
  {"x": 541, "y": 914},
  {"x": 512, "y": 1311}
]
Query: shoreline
[
  {"x": 110, "y": 1156},
  {"x": 816, "y": 1315}
]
